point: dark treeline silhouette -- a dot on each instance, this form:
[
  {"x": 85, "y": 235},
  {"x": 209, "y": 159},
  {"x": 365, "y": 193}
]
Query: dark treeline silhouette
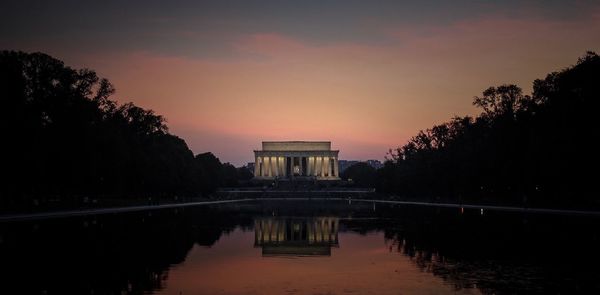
[
  {"x": 65, "y": 138},
  {"x": 361, "y": 174},
  {"x": 532, "y": 150}
]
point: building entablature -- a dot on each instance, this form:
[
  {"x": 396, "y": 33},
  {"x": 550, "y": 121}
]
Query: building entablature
[{"x": 329, "y": 153}]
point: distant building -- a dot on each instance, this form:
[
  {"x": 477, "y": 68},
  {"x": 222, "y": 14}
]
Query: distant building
[
  {"x": 250, "y": 167},
  {"x": 345, "y": 164},
  {"x": 301, "y": 159},
  {"x": 375, "y": 163}
]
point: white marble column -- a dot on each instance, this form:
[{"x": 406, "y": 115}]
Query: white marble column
[
  {"x": 256, "y": 168},
  {"x": 331, "y": 166},
  {"x": 271, "y": 172},
  {"x": 281, "y": 171},
  {"x": 301, "y": 165},
  {"x": 278, "y": 165},
  {"x": 321, "y": 166},
  {"x": 308, "y": 166},
  {"x": 284, "y": 167},
  {"x": 336, "y": 167},
  {"x": 317, "y": 166},
  {"x": 261, "y": 169},
  {"x": 265, "y": 167}
]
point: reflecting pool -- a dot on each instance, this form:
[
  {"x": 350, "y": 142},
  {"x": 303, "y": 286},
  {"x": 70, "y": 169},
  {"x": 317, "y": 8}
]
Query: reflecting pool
[{"x": 302, "y": 247}]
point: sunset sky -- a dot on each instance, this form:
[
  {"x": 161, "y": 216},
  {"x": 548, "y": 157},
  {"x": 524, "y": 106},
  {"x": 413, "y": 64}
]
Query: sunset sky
[{"x": 366, "y": 75}]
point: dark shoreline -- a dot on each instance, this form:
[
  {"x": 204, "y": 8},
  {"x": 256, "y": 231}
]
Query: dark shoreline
[{"x": 115, "y": 210}]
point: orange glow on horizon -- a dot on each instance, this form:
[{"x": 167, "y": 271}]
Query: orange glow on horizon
[{"x": 365, "y": 98}]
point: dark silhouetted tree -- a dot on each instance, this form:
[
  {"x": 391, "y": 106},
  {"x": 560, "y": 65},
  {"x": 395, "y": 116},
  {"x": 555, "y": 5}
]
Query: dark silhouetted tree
[
  {"x": 522, "y": 149},
  {"x": 64, "y": 138},
  {"x": 362, "y": 174}
]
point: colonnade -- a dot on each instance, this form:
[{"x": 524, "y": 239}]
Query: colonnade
[{"x": 289, "y": 166}]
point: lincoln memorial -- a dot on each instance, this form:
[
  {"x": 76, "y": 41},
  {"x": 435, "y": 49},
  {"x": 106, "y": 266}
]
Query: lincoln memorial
[{"x": 302, "y": 159}]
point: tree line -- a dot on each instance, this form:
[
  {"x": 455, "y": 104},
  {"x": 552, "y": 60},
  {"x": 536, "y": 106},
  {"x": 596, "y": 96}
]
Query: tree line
[
  {"x": 533, "y": 150},
  {"x": 64, "y": 136}
]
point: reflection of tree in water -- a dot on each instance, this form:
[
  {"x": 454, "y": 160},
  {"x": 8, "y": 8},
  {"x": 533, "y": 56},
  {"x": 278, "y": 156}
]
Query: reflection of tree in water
[
  {"x": 496, "y": 253},
  {"x": 491, "y": 277},
  {"x": 128, "y": 253},
  {"x": 131, "y": 253},
  {"x": 111, "y": 254}
]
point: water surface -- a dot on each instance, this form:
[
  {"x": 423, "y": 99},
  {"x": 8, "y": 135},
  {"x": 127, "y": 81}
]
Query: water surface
[{"x": 302, "y": 247}]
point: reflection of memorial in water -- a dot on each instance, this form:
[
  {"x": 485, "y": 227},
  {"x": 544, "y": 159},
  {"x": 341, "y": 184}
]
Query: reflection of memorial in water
[{"x": 296, "y": 236}]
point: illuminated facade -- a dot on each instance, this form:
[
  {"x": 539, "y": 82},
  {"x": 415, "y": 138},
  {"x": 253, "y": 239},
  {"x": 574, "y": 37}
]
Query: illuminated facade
[
  {"x": 312, "y": 236},
  {"x": 289, "y": 159}
]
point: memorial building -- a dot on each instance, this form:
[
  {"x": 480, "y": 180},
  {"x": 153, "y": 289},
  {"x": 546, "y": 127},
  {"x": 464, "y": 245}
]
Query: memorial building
[{"x": 296, "y": 159}]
